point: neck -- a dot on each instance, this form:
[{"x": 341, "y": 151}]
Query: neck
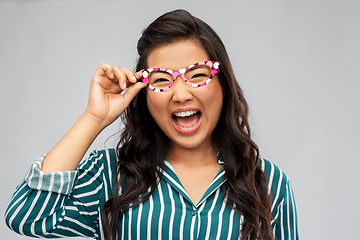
[{"x": 202, "y": 155}]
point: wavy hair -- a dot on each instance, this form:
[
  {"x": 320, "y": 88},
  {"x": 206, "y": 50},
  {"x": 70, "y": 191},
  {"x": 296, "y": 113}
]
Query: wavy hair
[{"x": 143, "y": 145}]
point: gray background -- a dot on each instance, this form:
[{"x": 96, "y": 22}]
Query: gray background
[{"x": 297, "y": 61}]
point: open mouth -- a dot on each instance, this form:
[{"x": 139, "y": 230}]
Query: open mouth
[{"x": 187, "y": 121}]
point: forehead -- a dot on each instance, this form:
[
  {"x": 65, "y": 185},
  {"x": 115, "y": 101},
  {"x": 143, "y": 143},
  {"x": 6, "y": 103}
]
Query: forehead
[{"x": 177, "y": 55}]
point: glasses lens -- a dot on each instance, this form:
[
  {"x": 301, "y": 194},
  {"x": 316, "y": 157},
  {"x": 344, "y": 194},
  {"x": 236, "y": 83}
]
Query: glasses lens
[
  {"x": 160, "y": 79},
  {"x": 198, "y": 74}
]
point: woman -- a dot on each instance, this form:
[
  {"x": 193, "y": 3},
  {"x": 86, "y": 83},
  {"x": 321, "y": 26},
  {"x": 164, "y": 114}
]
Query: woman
[{"x": 185, "y": 166}]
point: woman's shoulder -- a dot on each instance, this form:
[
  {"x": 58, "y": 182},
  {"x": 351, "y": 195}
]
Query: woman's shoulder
[
  {"x": 272, "y": 170},
  {"x": 278, "y": 181},
  {"x": 283, "y": 206}
]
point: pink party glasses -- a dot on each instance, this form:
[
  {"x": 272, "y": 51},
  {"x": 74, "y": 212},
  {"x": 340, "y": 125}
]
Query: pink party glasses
[{"x": 196, "y": 75}]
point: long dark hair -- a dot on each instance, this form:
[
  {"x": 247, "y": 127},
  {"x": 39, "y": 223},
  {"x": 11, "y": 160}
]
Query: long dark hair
[{"x": 143, "y": 145}]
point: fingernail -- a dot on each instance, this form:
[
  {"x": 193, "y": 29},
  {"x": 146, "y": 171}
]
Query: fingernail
[
  {"x": 112, "y": 75},
  {"x": 134, "y": 78},
  {"x": 124, "y": 85}
]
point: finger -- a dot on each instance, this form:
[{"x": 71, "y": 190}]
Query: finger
[
  {"x": 130, "y": 75},
  {"x": 120, "y": 78},
  {"x": 132, "y": 91},
  {"x": 105, "y": 70},
  {"x": 125, "y": 76},
  {"x": 137, "y": 75}
]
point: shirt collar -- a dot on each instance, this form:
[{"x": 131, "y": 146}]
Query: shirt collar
[{"x": 171, "y": 178}]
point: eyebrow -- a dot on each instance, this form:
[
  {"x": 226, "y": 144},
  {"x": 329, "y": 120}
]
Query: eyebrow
[
  {"x": 196, "y": 67},
  {"x": 190, "y": 69},
  {"x": 160, "y": 71}
]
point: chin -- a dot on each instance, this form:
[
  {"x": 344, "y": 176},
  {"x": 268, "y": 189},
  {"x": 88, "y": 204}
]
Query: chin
[{"x": 189, "y": 142}]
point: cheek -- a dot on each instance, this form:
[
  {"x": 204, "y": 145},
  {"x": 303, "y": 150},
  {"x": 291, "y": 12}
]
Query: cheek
[
  {"x": 156, "y": 105},
  {"x": 214, "y": 96},
  {"x": 150, "y": 103},
  {"x": 213, "y": 102},
  {"x": 215, "y": 105}
]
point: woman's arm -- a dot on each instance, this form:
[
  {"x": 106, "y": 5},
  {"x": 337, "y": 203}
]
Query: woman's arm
[
  {"x": 283, "y": 209},
  {"x": 63, "y": 204},
  {"x": 105, "y": 105},
  {"x": 59, "y": 197}
]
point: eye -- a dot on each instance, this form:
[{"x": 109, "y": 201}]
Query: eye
[
  {"x": 159, "y": 80},
  {"x": 199, "y": 75}
]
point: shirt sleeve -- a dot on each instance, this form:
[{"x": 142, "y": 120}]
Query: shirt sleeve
[
  {"x": 283, "y": 209},
  {"x": 61, "y": 204}
]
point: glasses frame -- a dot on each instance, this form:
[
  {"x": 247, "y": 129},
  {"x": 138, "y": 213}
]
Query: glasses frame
[{"x": 214, "y": 66}]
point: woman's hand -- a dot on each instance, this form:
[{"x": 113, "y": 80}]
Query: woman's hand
[{"x": 106, "y": 102}]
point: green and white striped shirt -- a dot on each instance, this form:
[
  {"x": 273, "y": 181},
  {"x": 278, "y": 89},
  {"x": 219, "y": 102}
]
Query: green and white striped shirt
[{"x": 65, "y": 204}]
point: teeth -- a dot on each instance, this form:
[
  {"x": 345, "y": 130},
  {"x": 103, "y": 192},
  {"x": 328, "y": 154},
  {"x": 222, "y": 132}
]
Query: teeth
[{"x": 185, "y": 114}]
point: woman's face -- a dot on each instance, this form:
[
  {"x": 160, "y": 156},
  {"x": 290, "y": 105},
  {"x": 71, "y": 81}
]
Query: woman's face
[{"x": 200, "y": 105}]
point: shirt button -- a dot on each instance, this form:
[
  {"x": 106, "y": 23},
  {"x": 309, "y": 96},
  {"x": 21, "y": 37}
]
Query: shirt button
[{"x": 194, "y": 212}]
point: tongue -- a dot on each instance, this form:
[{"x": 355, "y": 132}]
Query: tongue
[{"x": 187, "y": 122}]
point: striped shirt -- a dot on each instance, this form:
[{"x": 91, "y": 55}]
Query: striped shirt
[{"x": 65, "y": 204}]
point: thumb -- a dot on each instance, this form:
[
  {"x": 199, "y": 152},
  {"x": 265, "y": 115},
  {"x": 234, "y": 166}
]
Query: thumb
[{"x": 132, "y": 91}]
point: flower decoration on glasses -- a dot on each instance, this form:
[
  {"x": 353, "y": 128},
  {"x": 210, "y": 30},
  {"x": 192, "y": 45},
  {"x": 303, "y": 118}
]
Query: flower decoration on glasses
[{"x": 196, "y": 75}]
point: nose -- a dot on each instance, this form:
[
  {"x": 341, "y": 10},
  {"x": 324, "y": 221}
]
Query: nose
[{"x": 181, "y": 91}]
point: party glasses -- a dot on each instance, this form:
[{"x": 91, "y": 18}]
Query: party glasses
[{"x": 196, "y": 75}]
